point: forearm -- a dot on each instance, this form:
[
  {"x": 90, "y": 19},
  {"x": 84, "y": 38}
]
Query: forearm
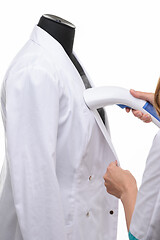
[
  {"x": 129, "y": 200},
  {"x": 122, "y": 184}
]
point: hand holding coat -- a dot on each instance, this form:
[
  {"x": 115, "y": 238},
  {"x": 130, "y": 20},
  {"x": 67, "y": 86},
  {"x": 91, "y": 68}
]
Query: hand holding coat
[{"x": 122, "y": 184}]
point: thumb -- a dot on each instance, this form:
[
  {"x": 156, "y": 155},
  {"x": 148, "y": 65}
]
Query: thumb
[
  {"x": 142, "y": 95},
  {"x": 115, "y": 163}
]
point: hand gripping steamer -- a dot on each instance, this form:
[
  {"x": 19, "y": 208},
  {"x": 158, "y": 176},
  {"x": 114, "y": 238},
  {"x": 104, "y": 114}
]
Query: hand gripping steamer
[{"x": 98, "y": 97}]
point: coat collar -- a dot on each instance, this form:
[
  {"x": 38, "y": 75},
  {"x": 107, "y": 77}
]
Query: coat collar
[{"x": 45, "y": 40}]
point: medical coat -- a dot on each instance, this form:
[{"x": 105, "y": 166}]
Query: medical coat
[
  {"x": 145, "y": 223},
  {"x": 52, "y": 184}
]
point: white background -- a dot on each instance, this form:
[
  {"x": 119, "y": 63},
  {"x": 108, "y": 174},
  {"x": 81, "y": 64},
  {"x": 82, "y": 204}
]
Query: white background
[{"x": 118, "y": 42}]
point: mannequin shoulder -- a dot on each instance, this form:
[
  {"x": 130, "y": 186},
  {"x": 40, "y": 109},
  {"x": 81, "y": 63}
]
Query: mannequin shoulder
[{"x": 32, "y": 56}]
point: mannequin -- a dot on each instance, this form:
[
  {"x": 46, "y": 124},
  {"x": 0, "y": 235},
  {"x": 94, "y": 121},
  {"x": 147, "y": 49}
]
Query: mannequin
[
  {"x": 56, "y": 148},
  {"x": 64, "y": 32},
  {"x": 60, "y": 29}
]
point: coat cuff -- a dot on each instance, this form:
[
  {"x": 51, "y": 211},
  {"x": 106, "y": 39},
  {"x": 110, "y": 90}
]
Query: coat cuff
[{"x": 131, "y": 237}]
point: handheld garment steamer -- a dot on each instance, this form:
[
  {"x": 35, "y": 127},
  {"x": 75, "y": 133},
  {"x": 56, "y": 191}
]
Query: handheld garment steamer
[{"x": 98, "y": 97}]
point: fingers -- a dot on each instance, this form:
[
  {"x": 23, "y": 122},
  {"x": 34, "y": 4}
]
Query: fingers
[
  {"x": 138, "y": 94},
  {"x": 144, "y": 117},
  {"x": 137, "y": 113},
  {"x": 143, "y": 95},
  {"x": 112, "y": 164},
  {"x": 127, "y": 110}
]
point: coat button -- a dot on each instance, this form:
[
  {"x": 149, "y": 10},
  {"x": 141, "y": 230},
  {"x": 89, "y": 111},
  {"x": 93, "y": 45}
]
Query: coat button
[
  {"x": 87, "y": 214},
  {"x": 111, "y": 212},
  {"x": 90, "y": 178}
]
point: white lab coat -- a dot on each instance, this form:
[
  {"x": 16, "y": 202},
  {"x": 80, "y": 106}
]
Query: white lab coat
[
  {"x": 52, "y": 184},
  {"x": 145, "y": 223}
]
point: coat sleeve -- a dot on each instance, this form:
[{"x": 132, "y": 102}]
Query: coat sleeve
[
  {"x": 32, "y": 112},
  {"x": 146, "y": 218}
]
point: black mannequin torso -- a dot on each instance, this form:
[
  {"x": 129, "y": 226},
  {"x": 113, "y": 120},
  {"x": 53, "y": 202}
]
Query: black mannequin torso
[
  {"x": 60, "y": 29},
  {"x": 64, "y": 32}
]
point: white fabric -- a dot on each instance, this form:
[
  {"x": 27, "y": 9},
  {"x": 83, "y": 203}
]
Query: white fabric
[
  {"x": 145, "y": 223},
  {"x": 53, "y": 146}
]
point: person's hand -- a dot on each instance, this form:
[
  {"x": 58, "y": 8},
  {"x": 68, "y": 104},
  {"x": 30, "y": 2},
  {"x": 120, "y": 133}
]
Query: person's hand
[
  {"x": 119, "y": 182},
  {"x": 145, "y": 96}
]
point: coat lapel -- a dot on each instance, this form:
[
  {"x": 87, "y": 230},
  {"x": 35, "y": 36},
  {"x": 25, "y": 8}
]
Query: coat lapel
[
  {"x": 104, "y": 132},
  {"x": 104, "y": 129}
]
